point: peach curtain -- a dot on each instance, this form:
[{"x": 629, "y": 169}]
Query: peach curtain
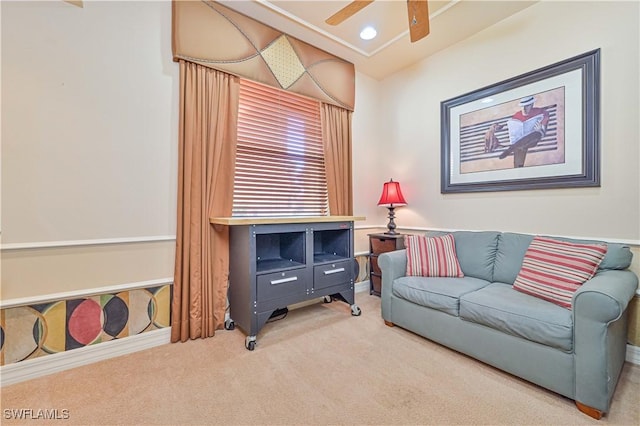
[
  {"x": 207, "y": 141},
  {"x": 336, "y": 129}
]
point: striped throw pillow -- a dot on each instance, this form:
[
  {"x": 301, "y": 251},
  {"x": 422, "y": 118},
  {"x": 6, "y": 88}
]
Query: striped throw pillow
[
  {"x": 432, "y": 256},
  {"x": 554, "y": 270}
]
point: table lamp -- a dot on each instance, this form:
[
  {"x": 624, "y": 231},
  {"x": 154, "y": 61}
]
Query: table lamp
[{"x": 391, "y": 198}]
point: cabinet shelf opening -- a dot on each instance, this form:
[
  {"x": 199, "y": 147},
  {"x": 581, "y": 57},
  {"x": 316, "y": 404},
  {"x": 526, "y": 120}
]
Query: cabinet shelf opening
[
  {"x": 331, "y": 245},
  {"x": 276, "y": 251}
]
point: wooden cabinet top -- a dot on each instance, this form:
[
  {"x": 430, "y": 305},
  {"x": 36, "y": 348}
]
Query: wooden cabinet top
[
  {"x": 274, "y": 220},
  {"x": 386, "y": 236}
]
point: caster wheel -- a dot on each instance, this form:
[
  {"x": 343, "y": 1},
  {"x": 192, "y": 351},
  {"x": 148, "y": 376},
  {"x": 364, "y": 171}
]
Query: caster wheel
[
  {"x": 229, "y": 325},
  {"x": 328, "y": 299},
  {"x": 250, "y": 342},
  {"x": 355, "y": 311}
]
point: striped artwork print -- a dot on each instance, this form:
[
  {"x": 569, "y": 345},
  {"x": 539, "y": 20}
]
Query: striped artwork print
[
  {"x": 554, "y": 270},
  {"x": 432, "y": 256}
]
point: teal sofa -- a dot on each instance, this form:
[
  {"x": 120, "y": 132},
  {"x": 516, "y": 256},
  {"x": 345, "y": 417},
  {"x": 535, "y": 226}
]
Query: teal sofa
[{"x": 577, "y": 353}]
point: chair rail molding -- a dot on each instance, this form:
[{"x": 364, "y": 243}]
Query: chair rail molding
[
  {"x": 92, "y": 242},
  {"x": 52, "y": 297}
]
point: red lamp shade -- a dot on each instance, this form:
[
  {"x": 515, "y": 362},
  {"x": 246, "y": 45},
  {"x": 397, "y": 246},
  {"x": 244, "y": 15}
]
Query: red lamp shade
[{"x": 391, "y": 195}]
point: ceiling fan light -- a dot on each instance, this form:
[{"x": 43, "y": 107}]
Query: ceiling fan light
[{"x": 368, "y": 33}]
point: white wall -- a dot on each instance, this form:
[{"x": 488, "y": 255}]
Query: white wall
[
  {"x": 369, "y": 157},
  {"x": 540, "y": 35},
  {"x": 89, "y": 132},
  {"x": 89, "y": 145}
]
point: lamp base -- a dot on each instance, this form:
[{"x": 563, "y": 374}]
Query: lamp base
[{"x": 391, "y": 226}]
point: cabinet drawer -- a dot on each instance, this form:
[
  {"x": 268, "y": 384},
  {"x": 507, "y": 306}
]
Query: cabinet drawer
[
  {"x": 332, "y": 274},
  {"x": 382, "y": 245},
  {"x": 280, "y": 284}
]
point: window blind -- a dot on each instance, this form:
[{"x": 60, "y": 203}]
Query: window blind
[{"x": 280, "y": 156}]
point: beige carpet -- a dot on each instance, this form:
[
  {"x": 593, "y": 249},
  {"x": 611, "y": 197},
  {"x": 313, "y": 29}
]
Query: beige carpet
[{"x": 319, "y": 365}]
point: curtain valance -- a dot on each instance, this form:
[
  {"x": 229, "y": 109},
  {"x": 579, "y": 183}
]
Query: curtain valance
[{"x": 207, "y": 33}]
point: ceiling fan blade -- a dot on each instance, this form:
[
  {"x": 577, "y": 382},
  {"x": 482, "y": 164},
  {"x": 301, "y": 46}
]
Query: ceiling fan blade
[
  {"x": 347, "y": 11},
  {"x": 75, "y": 2},
  {"x": 418, "y": 11}
]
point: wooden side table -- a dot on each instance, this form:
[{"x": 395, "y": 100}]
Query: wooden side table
[{"x": 378, "y": 244}]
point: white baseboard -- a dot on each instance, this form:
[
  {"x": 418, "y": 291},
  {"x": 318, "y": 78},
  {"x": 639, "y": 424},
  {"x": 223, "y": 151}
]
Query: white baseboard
[
  {"x": 633, "y": 354},
  {"x": 48, "y": 364},
  {"x": 361, "y": 286}
]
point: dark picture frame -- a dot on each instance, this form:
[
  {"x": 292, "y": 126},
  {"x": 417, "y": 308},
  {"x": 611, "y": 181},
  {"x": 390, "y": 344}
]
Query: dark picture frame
[{"x": 538, "y": 130}]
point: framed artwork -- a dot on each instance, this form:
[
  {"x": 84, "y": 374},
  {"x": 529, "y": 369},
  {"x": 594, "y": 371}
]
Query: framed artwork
[{"x": 534, "y": 131}]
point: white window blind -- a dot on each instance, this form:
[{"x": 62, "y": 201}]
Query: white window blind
[{"x": 280, "y": 156}]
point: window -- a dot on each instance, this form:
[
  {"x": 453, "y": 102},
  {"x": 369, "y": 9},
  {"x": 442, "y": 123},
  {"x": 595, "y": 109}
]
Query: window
[{"x": 280, "y": 155}]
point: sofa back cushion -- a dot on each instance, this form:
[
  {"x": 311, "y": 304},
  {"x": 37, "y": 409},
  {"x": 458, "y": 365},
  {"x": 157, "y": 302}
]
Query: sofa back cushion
[
  {"x": 618, "y": 255},
  {"x": 513, "y": 246},
  {"x": 476, "y": 252},
  {"x": 509, "y": 256}
]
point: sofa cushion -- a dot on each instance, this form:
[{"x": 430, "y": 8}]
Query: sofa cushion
[
  {"x": 432, "y": 256},
  {"x": 438, "y": 293},
  {"x": 476, "y": 252},
  {"x": 501, "y": 307},
  {"x": 553, "y": 270},
  {"x": 509, "y": 256}
]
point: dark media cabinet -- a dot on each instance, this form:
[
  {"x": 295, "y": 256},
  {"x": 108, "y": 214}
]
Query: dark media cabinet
[{"x": 276, "y": 262}]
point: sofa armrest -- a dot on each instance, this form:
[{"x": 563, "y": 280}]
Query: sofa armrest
[
  {"x": 600, "y": 335},
  {"x": 393, "y": 264},
  {"x": 605, "y": 297}
]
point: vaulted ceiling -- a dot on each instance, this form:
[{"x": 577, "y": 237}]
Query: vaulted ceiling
[{"x": 451, "y": 21}]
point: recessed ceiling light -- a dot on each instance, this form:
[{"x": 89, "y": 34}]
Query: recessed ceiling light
[{"x": 368, "y": 33}]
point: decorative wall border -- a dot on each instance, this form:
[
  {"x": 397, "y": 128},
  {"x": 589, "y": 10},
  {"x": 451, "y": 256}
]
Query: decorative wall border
[{"x": 47, "y": 325}]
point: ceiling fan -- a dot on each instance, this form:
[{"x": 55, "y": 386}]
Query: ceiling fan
[{"x": 417, "y": 10}]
